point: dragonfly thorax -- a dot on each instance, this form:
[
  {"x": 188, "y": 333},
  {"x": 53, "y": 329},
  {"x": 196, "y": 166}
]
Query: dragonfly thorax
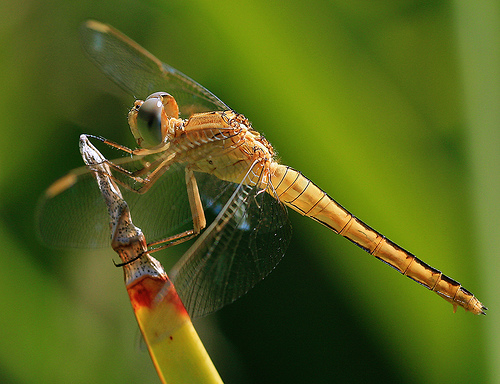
[{"x": 222, "y": 144}]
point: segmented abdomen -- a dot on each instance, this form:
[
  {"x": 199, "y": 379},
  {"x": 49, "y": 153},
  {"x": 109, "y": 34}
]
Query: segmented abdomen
[{"x": 301, "y": 194}]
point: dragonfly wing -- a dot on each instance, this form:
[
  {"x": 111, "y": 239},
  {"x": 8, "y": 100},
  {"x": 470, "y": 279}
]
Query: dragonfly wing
[
  {"x": 140, "y": 73},
  {"x": 243, "y": 245},
  {"x": 72, "y": 213}
]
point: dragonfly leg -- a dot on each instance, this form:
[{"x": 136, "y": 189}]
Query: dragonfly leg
[
  {"x": 199, "y": 220},
  {"x": 112, "y": 144},
  {"x": 142, "y": 184},
  {"x": 145, "y": 182},
  {"x": 137, "y": 151},
  {"x": 159, "y": 165}
]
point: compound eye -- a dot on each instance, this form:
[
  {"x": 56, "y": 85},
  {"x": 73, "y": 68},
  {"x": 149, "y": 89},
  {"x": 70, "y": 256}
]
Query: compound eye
[{"x": 149, "y": 122}]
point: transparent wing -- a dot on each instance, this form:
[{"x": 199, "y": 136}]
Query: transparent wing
[
  {"x": 72, "y": 214},
  {"x": 244, "y": 243},
  {"x": 140, "y": 73},
  {"x": 77, "y": 216}
]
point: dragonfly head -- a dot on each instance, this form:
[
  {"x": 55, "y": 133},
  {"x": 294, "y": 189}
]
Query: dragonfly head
[{"x": 149, "y": 119}]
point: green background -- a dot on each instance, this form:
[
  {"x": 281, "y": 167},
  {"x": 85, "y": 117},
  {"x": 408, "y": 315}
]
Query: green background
[{"x": 391, "y": 106}]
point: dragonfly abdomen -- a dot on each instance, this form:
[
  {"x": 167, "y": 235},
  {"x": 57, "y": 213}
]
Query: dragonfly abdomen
[{"x": 301, "y": 194}]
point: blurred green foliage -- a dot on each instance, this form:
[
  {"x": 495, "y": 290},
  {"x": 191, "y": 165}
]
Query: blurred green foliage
[{"x": 374, "y": 101}]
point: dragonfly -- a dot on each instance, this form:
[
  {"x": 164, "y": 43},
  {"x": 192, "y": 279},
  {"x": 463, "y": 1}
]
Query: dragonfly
[{"x": 202, "y": 172}]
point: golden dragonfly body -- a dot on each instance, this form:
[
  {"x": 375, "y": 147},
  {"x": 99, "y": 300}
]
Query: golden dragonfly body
[
  {"x": 230, "y": 171},
  {"x": 237, "y": 153}
]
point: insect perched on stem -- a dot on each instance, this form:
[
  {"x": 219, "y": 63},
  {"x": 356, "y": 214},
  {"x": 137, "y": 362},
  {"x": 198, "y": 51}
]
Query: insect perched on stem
[{"x": 201, "y": 171}]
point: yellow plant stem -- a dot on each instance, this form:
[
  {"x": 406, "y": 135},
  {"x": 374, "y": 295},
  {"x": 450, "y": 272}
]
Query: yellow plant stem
[
  {"x": 174, "y": 345},
  {"x": 175, "y": 348}
]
